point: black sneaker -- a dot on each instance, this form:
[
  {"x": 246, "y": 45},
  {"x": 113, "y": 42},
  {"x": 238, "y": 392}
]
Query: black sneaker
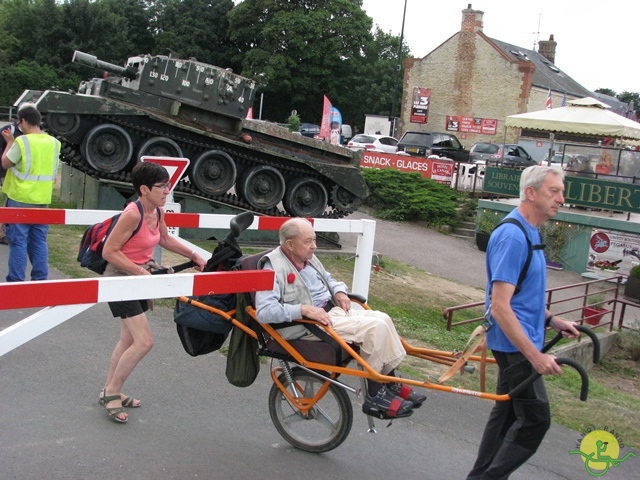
[
  {"x": 408, "y": 393},
  {"x": 386, "y": 405}
]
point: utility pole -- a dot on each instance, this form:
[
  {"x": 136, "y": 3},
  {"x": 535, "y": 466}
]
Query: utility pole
[{"x": 394, "y": 120}]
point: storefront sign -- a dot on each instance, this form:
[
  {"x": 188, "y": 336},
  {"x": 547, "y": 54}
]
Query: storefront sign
[
  {"x": 583, "y": 192},
  {"x": 439, "y": 170},
  {"x": 613, "y": 253}
]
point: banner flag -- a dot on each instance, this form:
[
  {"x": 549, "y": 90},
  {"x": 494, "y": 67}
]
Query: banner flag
[
  {"x": 335, "y": 126},
  {"x": 325, "y": 125},
  {"x": 549, "y": 100}
]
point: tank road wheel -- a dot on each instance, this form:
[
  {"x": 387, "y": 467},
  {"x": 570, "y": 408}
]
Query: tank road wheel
[
  {"x": 262, "y": 187},
  {"x": 305, "y": 197},
  {"x": 343, "y": 200},
  {"x": 214, "y": 172},
  {"x": 107, "y": 148},
  {"x": 327, "y": 424},
  {"x": 63, "y": 123},
  {"x": 159, "y": 147}
]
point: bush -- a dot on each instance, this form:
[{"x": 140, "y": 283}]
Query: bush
[{"x": 408, "y": 196}]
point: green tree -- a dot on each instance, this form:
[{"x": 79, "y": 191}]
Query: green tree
[
  {"x": 302, "y": 49},
  {"x": 193, "y": 28},
  {"x": 25, "y": 74},
  {"x": 628, "y": 97}
]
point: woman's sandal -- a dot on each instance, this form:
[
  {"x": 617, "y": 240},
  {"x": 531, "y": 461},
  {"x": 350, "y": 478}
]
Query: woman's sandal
[
  {"x": 114, "y": 411},
  {"x": 128, "y": 402}
]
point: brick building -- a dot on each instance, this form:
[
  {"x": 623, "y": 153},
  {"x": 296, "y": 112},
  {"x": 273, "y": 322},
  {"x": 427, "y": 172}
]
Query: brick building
[{"x": 476, "y": 81}]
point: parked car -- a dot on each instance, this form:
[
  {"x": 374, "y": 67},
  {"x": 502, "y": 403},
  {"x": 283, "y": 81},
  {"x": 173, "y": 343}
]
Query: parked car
[
  {"x": 379, "y": 143},
  {"x": 423, "y": 144},
  {"x": 309, "y": 130},
  {"x": 555, "y": 160},
  {"x": 505, "y": 154}
]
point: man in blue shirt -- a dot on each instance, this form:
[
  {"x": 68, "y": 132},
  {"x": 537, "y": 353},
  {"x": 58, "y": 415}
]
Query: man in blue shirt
[{"x": 516, "y": 427}]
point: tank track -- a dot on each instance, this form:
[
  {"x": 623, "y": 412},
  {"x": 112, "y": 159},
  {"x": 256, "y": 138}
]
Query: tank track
[{"x": 71, "y": 154}]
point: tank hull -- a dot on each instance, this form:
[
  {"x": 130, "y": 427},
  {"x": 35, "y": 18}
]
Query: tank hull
[{"x": 246, "y": 163}]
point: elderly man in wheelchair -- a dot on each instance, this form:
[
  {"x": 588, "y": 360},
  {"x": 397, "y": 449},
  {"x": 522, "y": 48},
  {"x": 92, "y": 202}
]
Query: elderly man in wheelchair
[{"x": 304, "y": 289}]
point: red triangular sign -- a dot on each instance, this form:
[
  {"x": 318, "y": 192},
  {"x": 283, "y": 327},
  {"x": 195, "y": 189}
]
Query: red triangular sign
[{"x": 175, "y": 166}]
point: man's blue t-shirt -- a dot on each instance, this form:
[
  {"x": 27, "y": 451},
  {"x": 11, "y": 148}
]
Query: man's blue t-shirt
[{"x": 506, "y": 255}]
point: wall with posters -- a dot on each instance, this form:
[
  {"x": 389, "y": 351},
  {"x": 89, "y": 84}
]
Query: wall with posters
[{"x": 440, "y": 170}]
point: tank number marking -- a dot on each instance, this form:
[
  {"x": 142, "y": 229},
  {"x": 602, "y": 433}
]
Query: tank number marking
[
  {"x": 186, "y": 83},
  {"x": 164, "y": 78},
  {"x": 153, "y": 74},
  {"x": 209, "y": 81},
  {"x": 200, "y": 68}
]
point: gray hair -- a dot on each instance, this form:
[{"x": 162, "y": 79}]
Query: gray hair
[
  {"x": 534, "y": 177},
  {"x": 291, "y": 229}
]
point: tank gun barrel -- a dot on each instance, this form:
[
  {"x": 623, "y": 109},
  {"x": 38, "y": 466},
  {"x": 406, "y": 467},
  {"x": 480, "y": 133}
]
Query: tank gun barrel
[{"x": 92, "y": 61}]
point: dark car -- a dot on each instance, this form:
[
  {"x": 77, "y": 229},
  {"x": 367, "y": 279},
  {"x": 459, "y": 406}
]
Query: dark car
[
  {"x": 309, "y": 130},
  {"x": 505, "y": 154},
  {"x": 423, "y": 144}
]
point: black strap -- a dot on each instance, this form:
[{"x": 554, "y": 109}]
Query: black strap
[{"x": 531, "y": 248}]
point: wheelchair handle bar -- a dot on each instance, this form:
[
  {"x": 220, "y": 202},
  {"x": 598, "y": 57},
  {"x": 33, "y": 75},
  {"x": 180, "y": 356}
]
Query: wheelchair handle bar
[
  {"x": 587, "y": 331},
  {"x": 584, "y": 389}
]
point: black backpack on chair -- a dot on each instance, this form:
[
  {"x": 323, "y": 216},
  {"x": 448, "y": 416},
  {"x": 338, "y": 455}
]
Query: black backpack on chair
[{"x": 200, "y": 330}]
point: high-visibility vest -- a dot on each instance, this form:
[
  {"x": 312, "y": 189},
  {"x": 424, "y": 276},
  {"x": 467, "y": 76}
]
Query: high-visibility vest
[{"x": 31, "y": 179}]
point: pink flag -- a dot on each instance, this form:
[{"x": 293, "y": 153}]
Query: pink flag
[
  {"x": 325, "y": 125},
  {"x": 549, "y": 100},
  {"x": 250, "y": 113}
]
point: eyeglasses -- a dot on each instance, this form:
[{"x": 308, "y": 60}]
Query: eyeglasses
[{"x": 162, "y": 186}]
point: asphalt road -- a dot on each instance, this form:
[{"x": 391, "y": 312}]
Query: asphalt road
[{"x": 194, "y": 424}]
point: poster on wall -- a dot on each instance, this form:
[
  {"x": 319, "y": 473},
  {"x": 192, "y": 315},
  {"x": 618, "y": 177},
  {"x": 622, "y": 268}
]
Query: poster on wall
[
  {"x": 485, "y": 126},
  {"x": 612, "y": 253},
  {"x": 420, "y": 107}
]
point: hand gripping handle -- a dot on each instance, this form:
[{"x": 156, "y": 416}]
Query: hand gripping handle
[{"x": 584, "y": 389}]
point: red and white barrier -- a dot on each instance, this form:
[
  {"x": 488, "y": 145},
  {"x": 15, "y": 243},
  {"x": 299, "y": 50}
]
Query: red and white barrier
[
  {"x": 58, "y": 216},
  {"x": 110, "y": 289},
  {"x": 72, "y": 297},
  {"x": 65, "y": 299}
]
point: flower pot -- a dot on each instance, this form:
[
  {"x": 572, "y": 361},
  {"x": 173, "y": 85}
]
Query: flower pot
[
  {"x": 632, "y": 289},
  {"x": 592, "y": 316},
  {"x": 482, "y": 240}
]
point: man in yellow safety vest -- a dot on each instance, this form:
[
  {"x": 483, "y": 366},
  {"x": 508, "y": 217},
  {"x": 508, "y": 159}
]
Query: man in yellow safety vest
[{"x": 31, "y": 161}]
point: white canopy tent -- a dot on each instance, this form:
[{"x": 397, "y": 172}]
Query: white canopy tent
[{"x": 584, "y": 116}]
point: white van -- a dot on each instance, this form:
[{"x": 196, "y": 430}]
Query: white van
[{"x": 346, "y": 133}]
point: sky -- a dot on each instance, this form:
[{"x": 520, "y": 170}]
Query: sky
[{"x": 598, "y": 42}]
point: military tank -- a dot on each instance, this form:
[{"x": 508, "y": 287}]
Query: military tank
[{"x": 164, "y": 106}]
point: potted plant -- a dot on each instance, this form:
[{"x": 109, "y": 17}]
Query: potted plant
[
  {"x": 594, "y": 310},
  {"x": 632, "y": 287},
  {"x": 484, "y": 226},
  {"x": 606, "y": 268}
]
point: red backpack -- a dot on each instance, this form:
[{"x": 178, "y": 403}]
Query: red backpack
[{"x": 94, "y": 238}]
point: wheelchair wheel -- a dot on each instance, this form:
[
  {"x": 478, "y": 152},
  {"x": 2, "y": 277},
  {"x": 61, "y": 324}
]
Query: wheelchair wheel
[{"x": 328, "y": 423}]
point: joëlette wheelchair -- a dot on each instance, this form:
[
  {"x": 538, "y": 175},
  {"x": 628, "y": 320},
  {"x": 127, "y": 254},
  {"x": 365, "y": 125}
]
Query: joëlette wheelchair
[{"x": 308, "y": 402}]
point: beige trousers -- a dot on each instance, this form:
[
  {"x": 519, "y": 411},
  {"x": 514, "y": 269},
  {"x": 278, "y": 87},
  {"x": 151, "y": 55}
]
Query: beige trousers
[{"x": 375, "y": 334}]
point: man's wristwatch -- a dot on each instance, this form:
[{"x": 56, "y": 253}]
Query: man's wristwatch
[{"x": 547, "y": 321}]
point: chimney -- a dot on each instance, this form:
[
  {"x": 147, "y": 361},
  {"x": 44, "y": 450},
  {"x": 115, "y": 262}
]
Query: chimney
[
  {"x": 471, "y": 20},
  {"x": 547, "y": 48}
]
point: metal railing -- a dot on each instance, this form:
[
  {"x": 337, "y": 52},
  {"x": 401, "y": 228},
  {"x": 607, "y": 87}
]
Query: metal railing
[
  {"x": 6, "y": 112},
  {"x": 580, "y": 302}
]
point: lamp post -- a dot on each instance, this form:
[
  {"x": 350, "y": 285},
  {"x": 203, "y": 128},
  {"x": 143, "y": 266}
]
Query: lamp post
[{"x": 394, "y": 120}]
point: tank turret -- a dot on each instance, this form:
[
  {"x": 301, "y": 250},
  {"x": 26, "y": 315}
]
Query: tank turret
[{"x": 171, "y": 107}]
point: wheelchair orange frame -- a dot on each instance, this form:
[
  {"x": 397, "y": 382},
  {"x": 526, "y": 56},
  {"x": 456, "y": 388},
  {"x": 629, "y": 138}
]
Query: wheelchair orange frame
[{"x": 304, "y": 399}]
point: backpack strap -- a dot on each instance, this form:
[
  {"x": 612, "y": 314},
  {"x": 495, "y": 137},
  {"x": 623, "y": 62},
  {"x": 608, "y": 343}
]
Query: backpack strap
[{"x": 531, "y": 248}]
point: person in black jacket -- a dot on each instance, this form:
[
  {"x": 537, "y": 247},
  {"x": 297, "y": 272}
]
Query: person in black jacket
[{"x": 16, "y": 132}]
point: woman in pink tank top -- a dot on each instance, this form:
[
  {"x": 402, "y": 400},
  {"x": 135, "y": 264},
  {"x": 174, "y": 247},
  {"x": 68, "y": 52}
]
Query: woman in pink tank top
[{"x": 128, "y": 254}]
